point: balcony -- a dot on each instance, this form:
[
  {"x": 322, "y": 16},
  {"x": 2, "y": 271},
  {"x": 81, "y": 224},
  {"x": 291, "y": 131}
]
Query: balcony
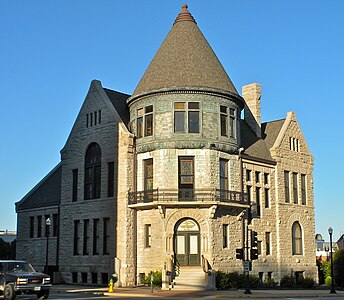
[{"x": 187, "y": 198}]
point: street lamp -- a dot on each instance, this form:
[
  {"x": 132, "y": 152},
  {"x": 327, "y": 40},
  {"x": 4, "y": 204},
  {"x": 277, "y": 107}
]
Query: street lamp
[
  {"x": 330, "y": 231},
  {"x": 47, "y": 223}
]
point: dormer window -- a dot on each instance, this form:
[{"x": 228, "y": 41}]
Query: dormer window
[
  {"x": 144, "y": 123},
  {"x": 186, "y": 117}
]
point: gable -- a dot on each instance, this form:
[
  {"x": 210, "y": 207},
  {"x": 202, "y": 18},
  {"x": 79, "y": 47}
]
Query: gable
[
  {"x": 100, "y": 108},
  {"x": 290, "y": 139}
]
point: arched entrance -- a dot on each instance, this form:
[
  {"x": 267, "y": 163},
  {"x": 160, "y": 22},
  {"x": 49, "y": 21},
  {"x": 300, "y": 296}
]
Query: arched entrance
[{"x": 187, "y": 243}]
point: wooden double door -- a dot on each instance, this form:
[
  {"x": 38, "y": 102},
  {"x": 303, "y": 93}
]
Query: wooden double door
[{"x": 187, "y": 244}]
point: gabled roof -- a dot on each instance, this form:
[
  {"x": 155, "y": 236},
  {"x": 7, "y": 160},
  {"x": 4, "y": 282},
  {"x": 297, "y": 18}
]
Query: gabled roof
[
  {"x": 46, "y": 193},
  {"x": 185, "y": 59},
  {"x": 259, "y": 148},
  {"x": 118, "y": 100}
]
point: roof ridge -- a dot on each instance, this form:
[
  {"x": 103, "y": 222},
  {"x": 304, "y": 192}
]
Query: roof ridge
[{"x": 184, "y": 15}]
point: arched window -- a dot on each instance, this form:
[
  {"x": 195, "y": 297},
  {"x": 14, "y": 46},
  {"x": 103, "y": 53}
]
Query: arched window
[
  {"x": 297, "y": 238},
  {"x": 92, "y": 172}
]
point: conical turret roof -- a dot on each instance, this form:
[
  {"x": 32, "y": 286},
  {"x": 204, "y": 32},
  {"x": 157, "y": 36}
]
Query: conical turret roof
[{"x": 184, "y": 60}]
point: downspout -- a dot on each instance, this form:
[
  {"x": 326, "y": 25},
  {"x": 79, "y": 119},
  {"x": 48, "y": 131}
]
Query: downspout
[{"x": 134, "y": 211}]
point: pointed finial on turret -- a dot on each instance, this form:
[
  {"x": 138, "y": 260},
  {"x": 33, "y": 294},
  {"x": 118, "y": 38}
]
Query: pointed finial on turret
[{"x": 184, "y": 15}]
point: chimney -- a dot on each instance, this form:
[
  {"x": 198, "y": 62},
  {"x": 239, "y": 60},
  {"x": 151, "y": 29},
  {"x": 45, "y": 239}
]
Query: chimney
[{"x": 252, "y": 93}]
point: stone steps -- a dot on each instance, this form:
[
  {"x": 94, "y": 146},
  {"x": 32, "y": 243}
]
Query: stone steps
[{"x": 191, "y": 279}]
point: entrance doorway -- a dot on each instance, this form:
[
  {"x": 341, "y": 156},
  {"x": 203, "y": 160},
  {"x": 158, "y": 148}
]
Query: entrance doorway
[{"x": 187, "y": 243}]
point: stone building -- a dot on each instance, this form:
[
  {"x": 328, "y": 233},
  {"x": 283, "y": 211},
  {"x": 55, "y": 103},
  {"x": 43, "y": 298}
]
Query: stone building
[{"x": 172, "y": 177}]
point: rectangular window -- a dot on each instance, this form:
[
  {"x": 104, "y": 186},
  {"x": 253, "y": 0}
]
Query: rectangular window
[
  {"x": 303, "y": 189},
  {"x": 95, "y": 118},
  {"x": 75, "y": 185},
  {"x": 267, "y": 197},
  {"x": 86, "y": 237},
  {"x": 139, "y": 123},
  {"x": 94, "y": 278},
  {"x": 295, "y": 190},
  {"x": 32, "y": 227},
  {"x": 111, "y": 179},
  {"x": 257, "y": 177},
  {"x": 148, "y": 235},
  {"x": 268, "y": 243},
  {"x": 225, "y": 230},
  {"x": 224, "y": 120},
  {"x": 190, "y": 111},
  {"x": 75, "y": 277},
  {"x": 258, "y": 201},
  {"x": 266, "y": 178},
  {"x": 232, "y": 122},
  {"x": 224, "y": 178},
  {"x": 87, "y": 120},
  {"x": 248, "y": 175},
  {"x": 83, "y": 277},
  {"x": 99, "y": 116},
  {"x": 149, "y": 120},
  {"x": 144, "y": 122},
  {"x": 95, "y": 236},
  {"x": 106, "y": 235},
  {"x": 39, "y": 226},
  {"x": 286, "y": 187},
  {"x": 55, "y": 224},
  {"x": 186, "y": 178},
  {"x": 76, "y": 238},
  {"x": 148, "y": 179},
  {"x": 91, "y": 119}
]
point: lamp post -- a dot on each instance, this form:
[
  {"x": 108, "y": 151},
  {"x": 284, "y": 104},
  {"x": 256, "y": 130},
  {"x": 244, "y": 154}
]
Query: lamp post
[
  {"x": 47, "y": 223},
  {"x": 333, "y": 291}
]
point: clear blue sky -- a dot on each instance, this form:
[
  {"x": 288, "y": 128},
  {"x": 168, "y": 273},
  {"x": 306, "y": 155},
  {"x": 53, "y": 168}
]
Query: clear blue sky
[{"x": 51, "y": 50}]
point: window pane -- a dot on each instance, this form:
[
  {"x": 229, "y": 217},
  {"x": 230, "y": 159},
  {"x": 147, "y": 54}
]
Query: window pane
[
  {"x": 193, "y": 105},
  {"x": 149, "y": 109},
  {"x": 139, "y": 127},
  {"x": 140, "y": 112},
  {"x": 223, "y": 109},
  {"x": 181, "y": 244},
  {"x": 179, "y": 105},
  {"x": 223, "y": 125},
  {"x": 149, "y": 125},
  {"x": 193, "y": 121},
  {"x": 179, "y": 121},
  {"x": 193, "y": 244}
]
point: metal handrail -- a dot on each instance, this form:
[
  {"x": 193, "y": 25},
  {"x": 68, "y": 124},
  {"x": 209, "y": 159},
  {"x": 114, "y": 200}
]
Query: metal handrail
[
  {"x": 184, "y": 195},
  {"x": 205, "y": 265}
]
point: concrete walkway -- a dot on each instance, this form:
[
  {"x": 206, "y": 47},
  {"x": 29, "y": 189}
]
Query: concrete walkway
[{"x": 146, "y": 292}]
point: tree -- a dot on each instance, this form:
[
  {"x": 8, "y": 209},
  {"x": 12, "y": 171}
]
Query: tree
[
  {"x": 338, "y": 267},
  {"x": 7, "y": 250}
]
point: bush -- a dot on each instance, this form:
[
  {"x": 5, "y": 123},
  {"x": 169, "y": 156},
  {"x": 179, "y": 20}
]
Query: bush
[
  {"x": 157, "y": 279},
  {"x": 287, "y": 281},
  {"x": 269, "y": 283},
  {"x": 235, "y": 280},
  {"x": 307, "y": 282},
  {"x": 328, "y": 280}
]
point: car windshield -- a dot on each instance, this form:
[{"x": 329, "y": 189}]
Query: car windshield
[{"x": 20, "y": 267}]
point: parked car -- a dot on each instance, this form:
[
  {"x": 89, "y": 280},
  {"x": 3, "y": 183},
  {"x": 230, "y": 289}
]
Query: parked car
[{"x": 19, "y": 277}]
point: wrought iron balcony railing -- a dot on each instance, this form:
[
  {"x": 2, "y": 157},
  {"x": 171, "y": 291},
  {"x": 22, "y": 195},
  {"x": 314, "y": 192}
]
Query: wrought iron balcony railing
[{"x": 186, "y": 195}]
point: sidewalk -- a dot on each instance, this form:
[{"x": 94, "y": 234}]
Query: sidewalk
[{"x": 146, "y": 292}]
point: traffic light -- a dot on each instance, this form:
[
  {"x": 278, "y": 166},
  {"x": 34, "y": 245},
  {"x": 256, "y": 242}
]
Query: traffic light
[
  {"x": 239, "y": 253},
  {"x": 254, "y": 254},
  {"x": 254, "y": 239}
]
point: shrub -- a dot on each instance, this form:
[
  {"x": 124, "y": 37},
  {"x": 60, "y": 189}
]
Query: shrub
[
  {"x": 269, "y": 283},
  {"x": 328, "y": 280},
  {"x": 287, "y": 281},
  {"x": 307, "y": 282},
  {"x": 234, "y": 280},
  {"x": 157, "y": 279}
]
